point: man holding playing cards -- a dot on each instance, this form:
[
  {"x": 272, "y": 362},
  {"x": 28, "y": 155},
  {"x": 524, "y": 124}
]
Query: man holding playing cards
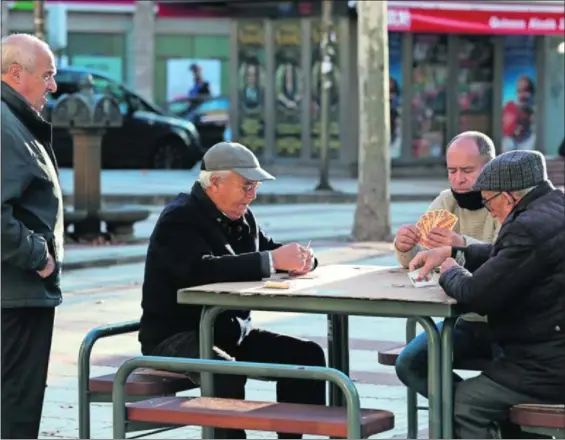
[
  {"x": 466, "y": 156},
  {"x": 519, "y": 282}
]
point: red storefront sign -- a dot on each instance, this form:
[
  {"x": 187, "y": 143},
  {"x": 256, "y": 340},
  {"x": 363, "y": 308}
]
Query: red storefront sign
[{"x": 475, "y": 21}]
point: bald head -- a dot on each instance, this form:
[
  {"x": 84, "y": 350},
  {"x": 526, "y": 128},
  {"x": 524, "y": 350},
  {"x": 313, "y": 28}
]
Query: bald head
[
  {"x": 28, "y": 66},
  {"x": 22, "y": 49},
  {"x": 466, "y": 156}
]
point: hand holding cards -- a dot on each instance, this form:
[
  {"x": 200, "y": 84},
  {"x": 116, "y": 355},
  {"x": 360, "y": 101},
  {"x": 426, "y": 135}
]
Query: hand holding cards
[{"x": 437, "y": 218}]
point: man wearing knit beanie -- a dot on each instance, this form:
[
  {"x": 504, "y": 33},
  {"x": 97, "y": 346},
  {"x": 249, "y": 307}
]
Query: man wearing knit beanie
[{"x": 519, "y": 282}]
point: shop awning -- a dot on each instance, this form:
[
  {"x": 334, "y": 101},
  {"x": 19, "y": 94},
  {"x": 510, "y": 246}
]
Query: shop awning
[{"x": 477, "y": 17}]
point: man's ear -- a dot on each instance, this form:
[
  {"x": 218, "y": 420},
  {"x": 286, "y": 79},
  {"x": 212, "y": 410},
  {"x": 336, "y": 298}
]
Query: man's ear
[{"x": 15, "y": 72}]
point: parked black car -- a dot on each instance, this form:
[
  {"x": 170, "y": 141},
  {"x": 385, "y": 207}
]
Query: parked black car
[
  {"x": 149, "y": 138},
  {"x": 209, "y": 115}
]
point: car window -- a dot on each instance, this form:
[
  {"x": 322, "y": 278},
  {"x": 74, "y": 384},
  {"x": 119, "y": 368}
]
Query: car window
[
  {"x": 213, "y": 106},
  {"x": 178, "y": 107},
  {"x": 112, "y": 88}
]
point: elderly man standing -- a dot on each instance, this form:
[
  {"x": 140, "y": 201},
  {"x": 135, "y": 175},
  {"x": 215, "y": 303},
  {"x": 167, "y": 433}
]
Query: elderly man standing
[
  {"x": 519, "y": 282},
  {"x": 32, "y": 233},
  {"x": 467, "y": 154},
  {"x": 211, "y": 236}
]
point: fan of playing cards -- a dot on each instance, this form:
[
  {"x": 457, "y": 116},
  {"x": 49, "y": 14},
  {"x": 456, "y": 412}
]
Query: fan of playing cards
[{"x": 436, "y": 218}]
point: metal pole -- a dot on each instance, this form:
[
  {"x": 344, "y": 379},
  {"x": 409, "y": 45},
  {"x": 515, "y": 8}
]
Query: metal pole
[
  {"x": 326, "y": 78},
  {"x": 39, "y": 19}
]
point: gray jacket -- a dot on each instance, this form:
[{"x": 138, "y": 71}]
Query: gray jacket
[{"x": 32, "y": 206}]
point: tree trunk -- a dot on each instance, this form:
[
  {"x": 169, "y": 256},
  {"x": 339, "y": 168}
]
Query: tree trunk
[
  {"x": 372, "y": 216},
  {"x": 39, "y": 19},
  {"x": 4, "y": 30},
  {"x": 144, "y": 48}
]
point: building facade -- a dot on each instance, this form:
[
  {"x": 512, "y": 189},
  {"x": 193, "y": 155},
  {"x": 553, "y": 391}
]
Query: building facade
[{"x": 493, "y": 66}]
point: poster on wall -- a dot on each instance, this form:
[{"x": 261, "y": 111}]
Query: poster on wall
[
  {"x": 395, "y": 92},
  {"x": 182, "y": 76},
  {"x": 518, "y": 94},
  {"x": 288, "y": 88},
  {"x": 334, "y": 138},
  {"x": 251, "y": 84},
  {"x": 110, "y": 66}
]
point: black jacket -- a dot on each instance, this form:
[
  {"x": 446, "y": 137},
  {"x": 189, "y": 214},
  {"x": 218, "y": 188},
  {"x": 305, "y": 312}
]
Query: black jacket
[
  {"x": 194, "y": 244},
  {"x": 519, "y": 282},
  {"x": 32, "y": 206}
]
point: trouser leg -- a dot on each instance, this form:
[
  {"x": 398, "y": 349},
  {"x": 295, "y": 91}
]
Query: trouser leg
[
  {"x": 26, "y": 344},
  {"x": 482, "y": 407}
]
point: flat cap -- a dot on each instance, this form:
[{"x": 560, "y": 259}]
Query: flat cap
[
  {"x": 512, "y": 171},
  {"x": 231, "y": 156}
]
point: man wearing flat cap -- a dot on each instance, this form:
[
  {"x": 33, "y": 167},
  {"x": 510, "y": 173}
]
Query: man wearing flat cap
[
  {"x": 210, "y": 236},
  {"x": 519, "y": 282}
]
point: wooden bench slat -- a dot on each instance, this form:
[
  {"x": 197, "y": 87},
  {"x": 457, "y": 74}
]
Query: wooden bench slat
[
  {"x": 389, "y": 357},
  {"x": 539, "y": 416},
  {"x": 144, "y": 383},
  {"x": 259, "y": 416}
]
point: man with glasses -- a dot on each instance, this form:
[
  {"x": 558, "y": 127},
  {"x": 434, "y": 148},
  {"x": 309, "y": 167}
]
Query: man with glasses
[
  {"x": 32, "y": 232},
  {"x": 519, "y": 282},
  {"x": 466, "y": 156},
  {"x": 211, "y": 236}
]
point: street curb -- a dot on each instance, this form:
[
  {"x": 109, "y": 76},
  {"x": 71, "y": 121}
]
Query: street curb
[
  {"x": 103, "y": 262},
  {"x": 140, "y": 258},
  {"x": 320, "y": 197}
]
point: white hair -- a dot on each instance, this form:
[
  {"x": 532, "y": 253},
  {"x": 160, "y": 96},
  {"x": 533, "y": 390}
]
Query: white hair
[
  {"x": 521, "y": 193},
  {"x": 205, "y": 177},
  {"x": 21, "y": 49}
]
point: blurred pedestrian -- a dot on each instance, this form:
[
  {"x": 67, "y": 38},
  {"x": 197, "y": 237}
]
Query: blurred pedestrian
[{"x": 32, "y": 232}]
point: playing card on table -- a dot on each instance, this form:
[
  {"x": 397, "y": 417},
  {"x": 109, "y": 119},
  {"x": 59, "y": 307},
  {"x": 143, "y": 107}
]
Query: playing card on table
[{"x": 431, "y": 279}]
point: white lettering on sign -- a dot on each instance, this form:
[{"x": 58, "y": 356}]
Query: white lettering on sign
[
  {"x": 562, "y": 24},
  {"x": 548, "y": 24},
  {"x": 506, "y": 23},
  {"x": 399, "y": 18}
]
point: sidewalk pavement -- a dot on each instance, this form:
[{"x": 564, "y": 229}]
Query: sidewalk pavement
[
  {"x": 157, "y": 187},
  {"x": 324, "y": 224}
]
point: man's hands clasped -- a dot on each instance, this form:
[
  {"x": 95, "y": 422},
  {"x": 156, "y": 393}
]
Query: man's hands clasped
[{"x": 293, "y": 258}]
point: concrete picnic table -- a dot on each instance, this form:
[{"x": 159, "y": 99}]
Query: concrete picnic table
[{"x": 343, "y": 291}]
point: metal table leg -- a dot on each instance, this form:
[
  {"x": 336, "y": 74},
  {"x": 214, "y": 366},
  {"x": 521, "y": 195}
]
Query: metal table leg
[
  {"x": 338, "y": 352},
  {"x": 447, "y": 377},
  {"x": 434, "y": 376},
  {"x": 207, "y": 320},
  {"x": 411, "y": 395}
]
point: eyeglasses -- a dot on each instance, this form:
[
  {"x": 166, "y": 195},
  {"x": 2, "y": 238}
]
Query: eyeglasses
[
  {"x": 250, "y": 187},
  {"x": 486, "y": 203}
]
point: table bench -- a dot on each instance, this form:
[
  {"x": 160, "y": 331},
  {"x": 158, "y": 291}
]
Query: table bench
[
  {"x": 344, "y": 422},
  {"x": 540, "y": 419},
  {"x": 257, "y": 416},
  {"x": 141, "y": 385}
]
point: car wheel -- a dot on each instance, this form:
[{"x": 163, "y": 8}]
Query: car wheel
[{"x": 171, "y": 155}]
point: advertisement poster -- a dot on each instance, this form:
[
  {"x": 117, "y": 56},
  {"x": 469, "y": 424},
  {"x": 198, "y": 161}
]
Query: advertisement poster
[
  {"x": 429, "y": 92},
  {"x": 334, "y": 139},
  {"x": 518, "y": 94},
  {"x": 395, "y": 91},
  {"x": 110, "y": 66},
  {"x": 288, "y": 88},
  {"x": 181, "y": 78},
  {"x": 251, "y": 84}
]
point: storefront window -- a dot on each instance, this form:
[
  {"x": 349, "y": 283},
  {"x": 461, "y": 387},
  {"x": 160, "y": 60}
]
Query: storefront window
[
  {"x": 475, "y": 79},
  {"x": 429, "y": 79}
]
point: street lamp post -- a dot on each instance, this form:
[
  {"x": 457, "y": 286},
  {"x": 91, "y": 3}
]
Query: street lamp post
[
  {"x": 326, "y": 78},
  {"x": 39, "y": 19}
]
